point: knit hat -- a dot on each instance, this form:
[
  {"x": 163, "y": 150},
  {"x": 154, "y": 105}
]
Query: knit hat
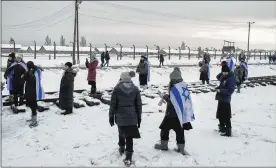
[
  {"x": 69, "y": 64},
  {"x": 12, "y": 55},
  {"x": 125, "y": 77},
  {"x": 224, "y": 67},
  {"x": 132, "y": 74},
  {"x": 19, "y": 56},
  {"x": 176, "y": 74},
  {"x": 143, "y": 57},
  {"x": 30, "y": 64}
]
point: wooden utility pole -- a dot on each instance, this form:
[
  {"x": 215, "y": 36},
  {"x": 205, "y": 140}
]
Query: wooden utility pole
[
  {"x": 249, "y": 27},
  {"x": 169, "y": 52},
  {"x": 34, "y": 50},
  {"x": 78, "y": 44},
  {"x": 74, "y": 41},
  {"x": 134, "y": 52},
  {"x": 55, "y": 50}
]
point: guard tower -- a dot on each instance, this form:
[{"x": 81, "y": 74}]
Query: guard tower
[{"x": 228, "y": 49}]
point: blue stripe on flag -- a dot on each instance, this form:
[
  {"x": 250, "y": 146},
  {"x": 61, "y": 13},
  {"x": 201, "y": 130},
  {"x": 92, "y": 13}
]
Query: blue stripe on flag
[{"x": 178, "y": 99}]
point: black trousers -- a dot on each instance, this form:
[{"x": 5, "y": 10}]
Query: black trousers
[
  {"x": 161, "y": 63},
  {"x": 128, "y": 142},
  {"x": 106, "y": 63},
  {"x": 203, "y": 81},
  {"x": 143, "y": 79},
  {"x": 225, "y": 123},
  {"x": 34, "y": 112},
  {"x": 92, "y": 83},
  {"x": 179, "y": 131}
]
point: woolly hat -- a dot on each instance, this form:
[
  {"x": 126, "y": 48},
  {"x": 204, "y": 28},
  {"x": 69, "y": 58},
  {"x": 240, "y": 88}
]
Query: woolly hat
[
  {"x": 132, "y": 74},
  {"x": 19, "y": 56},
  {"x": 69, "y": 64},
  {"x": 176, "y": 74},
  {"x": 12, "y": 55},
  {"x": 30, "y": 64},
  {"x": 224, "y": 67},
  {"x": 143, "y": 57},
  {"x": 125, "y": 77}
]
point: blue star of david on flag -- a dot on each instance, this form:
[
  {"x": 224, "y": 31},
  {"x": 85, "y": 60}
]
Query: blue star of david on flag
[{"x": 186, "y": 93}]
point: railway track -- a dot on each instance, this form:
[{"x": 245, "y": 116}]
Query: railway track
[{"x": 83, "y": 97}]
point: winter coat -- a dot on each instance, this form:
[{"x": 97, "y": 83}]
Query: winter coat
[
  {"x": 161, "y": 58},
  {"x": 239, "y": 74},
  {"x": 204, "y": 68},
  {"x": 102, "y": 57},
  {"x": 126, "y": 104},
  {"x": 142, "y": 68},
  {"x": 67, "y": 89},
  {"x": 92, "y": 67},
  {"x": 206, "y": 58},
  {"x": 17, "y": 80},
  {"x": 30, "y": 88},
  {"x": 226, "y": 87},
  {"x": 244, "y": 72},
  {"x": 9, "y": 63},
  {"x": 106, "y": 56}
]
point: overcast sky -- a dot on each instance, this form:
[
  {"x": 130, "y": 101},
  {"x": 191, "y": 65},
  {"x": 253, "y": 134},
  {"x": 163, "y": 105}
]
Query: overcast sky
[{"x": 142, "y": 23}]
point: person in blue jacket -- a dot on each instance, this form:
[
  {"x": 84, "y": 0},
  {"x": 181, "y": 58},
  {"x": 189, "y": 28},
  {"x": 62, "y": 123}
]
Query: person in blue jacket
[{"x": 224, "y": 93}]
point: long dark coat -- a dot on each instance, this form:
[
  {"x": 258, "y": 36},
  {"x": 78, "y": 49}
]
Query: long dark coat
[
  {"x": 30, "y": 88},
  {"x": 67, "y": 89},
  {"x": 17, "y": 80}
]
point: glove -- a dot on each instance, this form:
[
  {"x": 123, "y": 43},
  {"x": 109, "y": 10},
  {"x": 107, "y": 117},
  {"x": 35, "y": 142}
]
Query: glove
[
  {"x": 166, "y": 97},
  {"x": 111, "y": 121},
  {"x": 139, "y": 122}
]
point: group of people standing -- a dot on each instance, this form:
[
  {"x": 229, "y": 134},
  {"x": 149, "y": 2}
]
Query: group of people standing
[
  {"x": 126, "y": 104},
  {"x": 19, "y": 75},
  {"x": 105, "y": 59}
]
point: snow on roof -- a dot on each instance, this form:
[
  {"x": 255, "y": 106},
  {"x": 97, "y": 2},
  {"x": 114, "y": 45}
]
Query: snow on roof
[
  {"x": 65, "y": 48},
  {"x": 18, "y": 46},
  {"x": 24, "y": 48},
  {"x": 33, "y": 48},
  {"x": 102, "y": 49}
]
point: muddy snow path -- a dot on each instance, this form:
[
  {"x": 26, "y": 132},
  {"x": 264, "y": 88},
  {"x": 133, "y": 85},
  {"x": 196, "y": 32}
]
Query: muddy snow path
[{"x": 85, "y": 138}]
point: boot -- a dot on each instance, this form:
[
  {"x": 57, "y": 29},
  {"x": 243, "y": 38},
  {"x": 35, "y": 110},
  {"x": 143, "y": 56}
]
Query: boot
[
  {"x": 67, "y": 111},
  {"x": 181, "y": 149},
  {"x": 34, "y": 121},
  {"x": 162, "y": 146},
  {"x": 128, "y": 159},
  {"x": 222, "y": 128},
  {"x": 228, "y": 132},
  {"x": 121, "y": 150},
  {"x": 238, "y": 89},
  {"x": 93, "y": 91}
]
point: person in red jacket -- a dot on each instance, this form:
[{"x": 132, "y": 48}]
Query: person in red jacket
[{"x": 92, "y": 66}]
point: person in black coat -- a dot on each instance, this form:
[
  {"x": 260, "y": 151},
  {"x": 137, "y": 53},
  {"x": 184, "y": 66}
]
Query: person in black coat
[
  {"x": 171, "y": 120},
  {"x": 33, "y": 83},
  {"x": 107, "y": 58},
  {"x": 224, "y": 93},
  {"x": 16, "y": 71},
  {"x": 10, "y": 60},
  {"x": 66, "y": 89},
  {"x": 102, "y": 59},
  {"x": 126, "y": 111},
  {"x": 161, "y": 60}
]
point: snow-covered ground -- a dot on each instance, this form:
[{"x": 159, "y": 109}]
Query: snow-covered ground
[
  {"x": 108, "y": 77},
  {"x": 86, "y": 137},
  {"x": 44, "y": 61}
]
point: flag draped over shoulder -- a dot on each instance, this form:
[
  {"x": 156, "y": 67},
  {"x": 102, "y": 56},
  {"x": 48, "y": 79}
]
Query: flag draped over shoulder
[
  {"x": 10, "y": 75},
  {"x": 39, "y": 89},
  {"x": 244, "y": 64},
  {"x": 182, "y": 102},
  {"x": 231, "y": 63},
  {"x": 209, "y": 71},
  {"x": 148, "y": 70}
]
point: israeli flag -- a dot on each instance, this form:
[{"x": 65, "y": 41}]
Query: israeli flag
[
  {"x": 182, "y": 102},
  {"x": 209, "y": 71},
  {"x": 148, "y": 70},
  {"x": 39, "y": 89},
  {"x": 10, "y": 76},
  {"x": 231, "y": 63},
  {"x": 245, "y": 65}
]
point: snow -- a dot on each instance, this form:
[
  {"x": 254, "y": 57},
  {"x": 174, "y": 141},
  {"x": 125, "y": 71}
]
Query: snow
[
  {"x": 10, "y": 46},
  {"x": 86, "y": 137}
]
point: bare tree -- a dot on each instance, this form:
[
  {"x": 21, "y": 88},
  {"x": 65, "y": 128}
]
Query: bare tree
[
  {"x": 48, "y": 41},
  {"x": 83, "y": 42},
  {"x": 183, "y": 46},
  {"x": 62, "y": 41}
]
